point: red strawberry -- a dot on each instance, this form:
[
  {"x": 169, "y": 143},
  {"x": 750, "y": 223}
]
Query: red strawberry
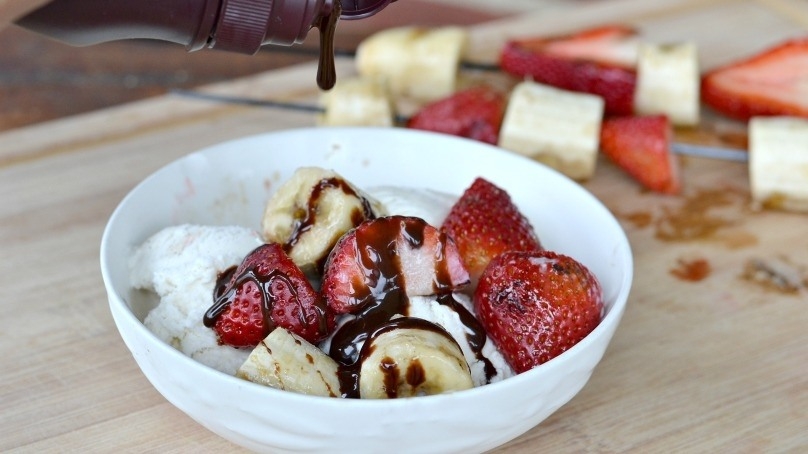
[
  {"x": 265, "y": 291},
  {"x": 475, "y": 113},
  {"x": 600, "y": 61},
  {"x": 389, "y": 258},
  {"x": 773, "y": 82},
  {"x": 537, "y": 305},
  {"x": 641, "y": 147},
  {"x": 484, "y": 223}
]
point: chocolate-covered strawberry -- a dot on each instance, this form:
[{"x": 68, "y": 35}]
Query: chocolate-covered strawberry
[{"x": 265, "y": 291}]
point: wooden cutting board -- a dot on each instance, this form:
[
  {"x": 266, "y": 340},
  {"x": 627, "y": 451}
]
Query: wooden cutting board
[{"x": 710, "y": 356}]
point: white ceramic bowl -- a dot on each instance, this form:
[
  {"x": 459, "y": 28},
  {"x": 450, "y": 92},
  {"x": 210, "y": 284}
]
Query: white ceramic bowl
[{"x": 229, "y": 184}]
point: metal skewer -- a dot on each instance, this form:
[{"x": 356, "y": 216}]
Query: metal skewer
[
  {"x": 349, "y": 53},
  {"x": 702, "y": 151}
]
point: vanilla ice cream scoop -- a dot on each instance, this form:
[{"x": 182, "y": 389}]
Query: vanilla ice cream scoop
[{"x": 180, "y": 264}]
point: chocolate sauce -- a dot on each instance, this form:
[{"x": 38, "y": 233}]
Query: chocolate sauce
[
  {"x": 228, "y": 283},
  {"x": 415, "y": 374},
  {"x": 326, "y": 69},
  {"x": 228, "y": 291},
  {"x": 384, "y": 296},
  {"x": 476, "y": 336},
  {"x": 306, "y": 219}
]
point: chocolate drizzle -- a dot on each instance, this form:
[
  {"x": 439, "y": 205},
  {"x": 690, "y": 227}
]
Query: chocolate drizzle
[
  {"x": 415, "y": 373},
  {"x": 384, "y": 297},
  {"x": 308, "y": 217},
  {"x": 228, "y": 283},
  {"x": 476, "y": 335},
  {"x": 326, "y": 69}
]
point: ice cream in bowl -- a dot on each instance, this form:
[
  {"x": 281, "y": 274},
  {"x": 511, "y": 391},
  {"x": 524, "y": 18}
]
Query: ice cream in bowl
[{"x": 356, "y": 289}]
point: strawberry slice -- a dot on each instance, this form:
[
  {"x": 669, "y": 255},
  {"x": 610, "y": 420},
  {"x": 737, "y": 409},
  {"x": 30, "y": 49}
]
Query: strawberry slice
[
  {"x": 537, "y": 305},
  {"x": 475, "y": 113},
  {"x": 773, "y": 82},
  {"x": 484, "y": 222},
  {"x": 600, "y": 61},
  {"x": 265, "y": 291},
  {"x": 385, "y": 260},
  {"x": 641, "y": 147}
]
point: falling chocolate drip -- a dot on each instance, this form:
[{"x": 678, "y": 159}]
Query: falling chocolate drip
[{"x": 326, "y": 69}]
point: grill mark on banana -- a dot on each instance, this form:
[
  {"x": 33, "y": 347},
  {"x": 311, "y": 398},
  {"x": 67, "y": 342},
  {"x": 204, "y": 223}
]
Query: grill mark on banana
[
  {"x": 311, "y": 211},
  {"x": 285, "y": 361}
]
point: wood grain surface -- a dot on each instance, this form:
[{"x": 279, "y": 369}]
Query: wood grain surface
[{"x": 708, "y": 357}]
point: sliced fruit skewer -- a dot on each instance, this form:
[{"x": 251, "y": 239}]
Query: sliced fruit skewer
[{"x": 727, "y": 154}]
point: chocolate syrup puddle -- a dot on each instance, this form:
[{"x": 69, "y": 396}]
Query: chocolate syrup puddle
[{"x": 326, "y": 68}]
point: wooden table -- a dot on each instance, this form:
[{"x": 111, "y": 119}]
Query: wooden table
[{"x": 707, "y": 359}]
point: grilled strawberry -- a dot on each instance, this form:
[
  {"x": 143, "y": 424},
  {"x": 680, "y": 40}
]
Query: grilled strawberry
[
  {"x": 537, "y": 305},
  {"x": 773, "y": 82},
  {"x": 475, "y": 113},
  {"x": 484, "y": 222},
  {"x": 265, "y": 291},
  {"x": 600, "y": 61},
  {"x": 387, "y": 259},
  {"x": 641, "y": 147}
]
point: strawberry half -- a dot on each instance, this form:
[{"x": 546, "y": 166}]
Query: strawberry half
[
  {"x": 484, "y": 222},
  {"x": 387, "y": 259},
  {"x": 537, "y": 305},
  {"x": 641, "y": 147},
  {"x": 773, "y": 82},
  {"x": 601, "y": 61},
  {"x": 265, "y": 291},
  {"x": 475, "y": 113}
]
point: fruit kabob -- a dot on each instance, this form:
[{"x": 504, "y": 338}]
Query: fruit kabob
[{"x": 600, "y": 89}]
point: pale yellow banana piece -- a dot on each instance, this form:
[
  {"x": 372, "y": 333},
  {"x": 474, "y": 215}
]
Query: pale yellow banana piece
[
  {"x": 286, "y": 361},
  {"x": 668, "y": 82},
  {"x": 359, "y": 101},
  {"x": 311, "y": 211},
  {"x": 778, "y": 162},
  {"x": 556, "y": 127},
  {"x": 417, "y": 62},
  {"x": 408, "y": 362}
]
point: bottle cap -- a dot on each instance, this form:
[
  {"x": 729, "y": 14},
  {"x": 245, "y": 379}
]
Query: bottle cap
[
  {"x": 359, "y": 9},
  {"x": 245, "y": 25}
]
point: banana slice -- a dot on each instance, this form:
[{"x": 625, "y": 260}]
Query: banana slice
[
  {"x": 286, "y": 361},
  {"x": 557, "y": 127},
  {"x": 778, "y": 162},
  {"x": 311, "y": 211},
  {"x": 668, "y": 82},
  {"x": 412, "y": 361},
  {"x": 359, "y": 101},
  {"x": 416, "y": 62}
]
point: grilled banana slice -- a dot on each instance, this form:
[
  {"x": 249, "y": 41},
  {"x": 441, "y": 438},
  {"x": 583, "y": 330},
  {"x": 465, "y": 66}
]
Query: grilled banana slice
[
  {"x": 311, "y": 211},
  {"x": 286, "y": 361},
  {"x": 416, "y": 62},
  {"x": 557, "y": 127},
  {"x": 668, "y": 82},
  {"x": 412, "y": 361},
  {"x": 778, "y": 162},
  {"x": 359, "y": 101}
]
